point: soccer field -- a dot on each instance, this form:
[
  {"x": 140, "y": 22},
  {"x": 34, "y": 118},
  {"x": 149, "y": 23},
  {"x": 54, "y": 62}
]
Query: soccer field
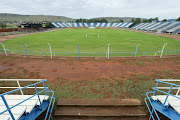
[{"x": 66, "y": 41}]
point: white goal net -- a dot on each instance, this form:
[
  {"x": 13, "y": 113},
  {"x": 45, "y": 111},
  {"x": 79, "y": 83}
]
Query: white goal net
[
  {"x": 92, "y": 27},
  {"x": 92, "y": 34}
]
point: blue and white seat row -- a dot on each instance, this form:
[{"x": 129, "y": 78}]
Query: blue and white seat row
[
  {"x": 165, "y": 27},
  {"x": 18, "y": 111},
  {"x": 105, "y": 24},
  {"x": 165, "y": 98},
  {"x": 25, "y": 107}
]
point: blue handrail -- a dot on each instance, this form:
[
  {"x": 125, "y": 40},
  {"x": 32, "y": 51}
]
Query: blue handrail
[
  {"x": 156, "y": 89},
  {"x": 50, "y": 106},
  {"x": 153, "y": 109},
  {"x": 19, "y": 102},
  {"x": 22, "y": 88}
]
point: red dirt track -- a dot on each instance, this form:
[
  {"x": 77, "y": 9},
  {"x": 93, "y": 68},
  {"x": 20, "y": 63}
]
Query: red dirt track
[{"x": 90, "y": 70}]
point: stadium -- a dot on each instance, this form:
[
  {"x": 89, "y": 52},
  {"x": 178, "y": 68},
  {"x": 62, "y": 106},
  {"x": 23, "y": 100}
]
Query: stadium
[
  {"x": 63, "y": 42},
  {"x": 104, "y": 68}
]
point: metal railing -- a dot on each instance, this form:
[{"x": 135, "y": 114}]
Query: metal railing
[
  {"x": 89, "y": 54},
  {"x": 19, "y": 85},
  {"x": 160, "y": 89},
  {"x": 153, "y": 109},
  {"x": 34, "y": 85}
]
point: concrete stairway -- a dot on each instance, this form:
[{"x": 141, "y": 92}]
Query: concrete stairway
[{"x": 125, "y": 109}]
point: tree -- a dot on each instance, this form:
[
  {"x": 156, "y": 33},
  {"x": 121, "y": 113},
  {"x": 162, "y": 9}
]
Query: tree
[
  {"x": 77, "y": 20},
  {"x": 150, "y": 20},
  {"x": 153, "y": 19},
  {"x": 156, "y": 19},
  {"x": 96, "y": 20},
  {"x": 164, "y": 20},
  {"x": 3, "y": 25},
  {"x": 136, "y": 21},
  {"x": 103, "y": 20},
  {"x": 80, "y": 20},
  {"x": 49, "y": 25},
  {"x": 84, "y": 20},
  {"x": 145, "y": 21},
  {"x": 132, "y": 20},
  {"x": 178, "y": 19}
]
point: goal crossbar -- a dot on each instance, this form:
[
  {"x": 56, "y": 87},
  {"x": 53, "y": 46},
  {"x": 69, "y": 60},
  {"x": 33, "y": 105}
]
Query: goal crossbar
[{"x": 92, "y": 34}]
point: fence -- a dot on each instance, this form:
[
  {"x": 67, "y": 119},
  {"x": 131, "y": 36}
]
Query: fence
[{"x": 90, "y": 54}]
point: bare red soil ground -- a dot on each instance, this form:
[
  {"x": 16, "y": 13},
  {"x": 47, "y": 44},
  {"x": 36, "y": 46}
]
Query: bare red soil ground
[{"x": 90, "y": 70}]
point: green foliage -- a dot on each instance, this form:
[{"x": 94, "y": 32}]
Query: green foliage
[
  {"x": 101, "y": 89},
  {"x": 164, "y": 20},
  {"x": 91, "y": 20},
  {"x": 3, "y": 25},
  {"x": 153, "y": 19},
  {"x": 144, "y": 21},
  {"x": 136, "y": 21},
  {"x": 132, "y": 20},
  {"x": 141, "y": 64},
  {"x": 178, "y": 19},
  {"x": 120, "y": 21},
  {"x": 49, "y": 25}
]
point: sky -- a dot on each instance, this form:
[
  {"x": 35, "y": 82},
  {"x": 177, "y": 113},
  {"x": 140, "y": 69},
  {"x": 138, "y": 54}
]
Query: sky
[{"x": 164, "y": 9}]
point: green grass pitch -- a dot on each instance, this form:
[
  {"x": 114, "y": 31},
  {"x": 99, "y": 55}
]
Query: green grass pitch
[{"x": 66, "y": 41}]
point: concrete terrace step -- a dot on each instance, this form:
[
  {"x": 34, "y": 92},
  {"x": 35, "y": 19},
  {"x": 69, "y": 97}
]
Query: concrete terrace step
[
  {"x": 105, "y": 102},
  {"x": 106, "y": 109},
  {"x": 99, "y": 111},
  {"x": 101, "y": 118}
]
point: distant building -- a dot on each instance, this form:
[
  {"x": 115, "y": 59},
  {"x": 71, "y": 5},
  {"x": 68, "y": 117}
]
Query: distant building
[{"x": 30, "y": 27}]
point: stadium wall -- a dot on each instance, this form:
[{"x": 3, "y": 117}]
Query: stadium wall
[{"x": 8, "y": 30}]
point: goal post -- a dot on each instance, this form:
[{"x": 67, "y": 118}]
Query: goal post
[{"x": 92, "y": 34}]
